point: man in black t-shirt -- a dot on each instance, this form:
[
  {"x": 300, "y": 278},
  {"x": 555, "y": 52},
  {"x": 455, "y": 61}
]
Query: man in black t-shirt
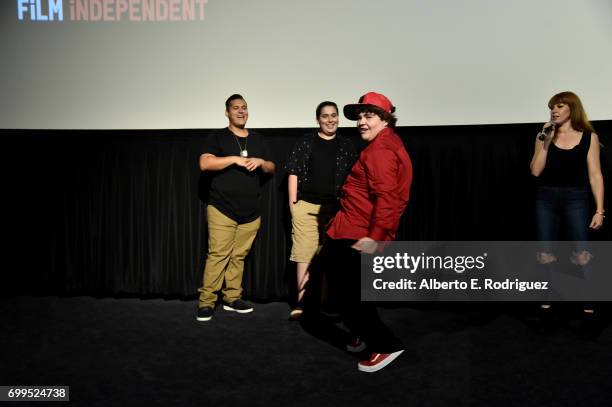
[{"x": 237, "y": 159}]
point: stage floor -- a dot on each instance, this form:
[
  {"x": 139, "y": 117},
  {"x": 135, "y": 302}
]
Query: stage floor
[{"x": 130, "y": 351}]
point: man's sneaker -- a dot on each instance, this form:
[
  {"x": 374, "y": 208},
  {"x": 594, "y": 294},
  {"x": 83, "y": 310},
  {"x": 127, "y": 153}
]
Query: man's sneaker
[
  {"x": 205, "y": 314},
  {"x": 356, "y": 345},
  {"x": 240, "y": 306},
  {"x": 378, "y": 361}
]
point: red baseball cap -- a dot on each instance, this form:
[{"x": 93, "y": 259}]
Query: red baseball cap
[{"x": 372, "y": 99}]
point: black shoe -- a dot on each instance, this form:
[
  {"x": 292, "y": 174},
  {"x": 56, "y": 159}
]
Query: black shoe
[
  {"x": 205, "y": 314},
  {"x": 239, "y": 306}
]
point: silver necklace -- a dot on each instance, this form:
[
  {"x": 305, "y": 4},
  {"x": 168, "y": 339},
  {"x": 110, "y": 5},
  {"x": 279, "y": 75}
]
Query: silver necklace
[{"x": 243, "y": 152}]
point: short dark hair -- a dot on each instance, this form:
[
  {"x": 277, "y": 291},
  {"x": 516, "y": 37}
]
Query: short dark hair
[
  {"x": 384, "y": 115},
  {"x": 323, "y": 104},
  {"x": 229, "y": 100}
]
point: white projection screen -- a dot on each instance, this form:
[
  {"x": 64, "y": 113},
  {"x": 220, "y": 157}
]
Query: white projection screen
[{"x": 170, "y": 64}]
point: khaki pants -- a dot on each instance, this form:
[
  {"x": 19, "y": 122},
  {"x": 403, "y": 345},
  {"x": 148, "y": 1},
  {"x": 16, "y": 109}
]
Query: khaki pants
[
  {"x": 308, "y": 223},
  {"x": 228, "y": 244}
]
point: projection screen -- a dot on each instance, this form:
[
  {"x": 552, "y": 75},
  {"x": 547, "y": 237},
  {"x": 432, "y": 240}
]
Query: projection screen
[{"x": 170, "y": 64}]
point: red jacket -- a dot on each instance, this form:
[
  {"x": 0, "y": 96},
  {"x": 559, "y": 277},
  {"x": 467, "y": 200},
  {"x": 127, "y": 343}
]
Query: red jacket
[{"x": 376, "y": 191}]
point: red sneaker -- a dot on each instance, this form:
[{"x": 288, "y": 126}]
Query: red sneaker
[{"x": 378, "y": 361}]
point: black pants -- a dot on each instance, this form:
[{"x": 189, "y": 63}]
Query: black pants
[{"x": 341, "y": 264}]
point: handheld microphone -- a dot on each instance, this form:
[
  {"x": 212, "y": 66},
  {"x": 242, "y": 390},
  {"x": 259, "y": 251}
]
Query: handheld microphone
[{"x": 544, "y": 132}]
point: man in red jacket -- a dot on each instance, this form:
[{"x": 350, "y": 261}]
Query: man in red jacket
[{"x": 373, "y": 199}]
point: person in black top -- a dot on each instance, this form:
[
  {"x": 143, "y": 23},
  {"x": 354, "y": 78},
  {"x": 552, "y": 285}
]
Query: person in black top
[
  {"x": 237, "y": 158},
  {"x": 317, "y": 167},
  {"x": 567, "y": 164}
]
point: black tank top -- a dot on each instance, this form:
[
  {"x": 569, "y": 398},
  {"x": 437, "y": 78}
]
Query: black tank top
[{"x": 567, "y": 168}]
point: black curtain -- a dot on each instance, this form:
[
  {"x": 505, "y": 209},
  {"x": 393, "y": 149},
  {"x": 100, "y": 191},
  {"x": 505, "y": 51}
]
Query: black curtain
[{"x": 118, "y": 212}]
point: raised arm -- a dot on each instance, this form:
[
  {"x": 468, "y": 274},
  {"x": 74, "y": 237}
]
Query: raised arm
[{"x": 540, "y": 152}]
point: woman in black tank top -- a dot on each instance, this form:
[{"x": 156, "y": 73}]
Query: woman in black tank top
[{"x": 566, "y": 163}]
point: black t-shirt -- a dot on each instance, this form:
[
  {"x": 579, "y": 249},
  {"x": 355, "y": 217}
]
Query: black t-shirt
[
  {"x": 235, "y": 191},
  {"x": 321, "y": 188}
]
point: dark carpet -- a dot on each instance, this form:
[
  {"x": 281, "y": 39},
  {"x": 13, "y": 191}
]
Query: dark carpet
[{"x": 130, "y": 351}]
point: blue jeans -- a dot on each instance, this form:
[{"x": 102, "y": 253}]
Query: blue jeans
[{"x": 567, "y": 206}]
